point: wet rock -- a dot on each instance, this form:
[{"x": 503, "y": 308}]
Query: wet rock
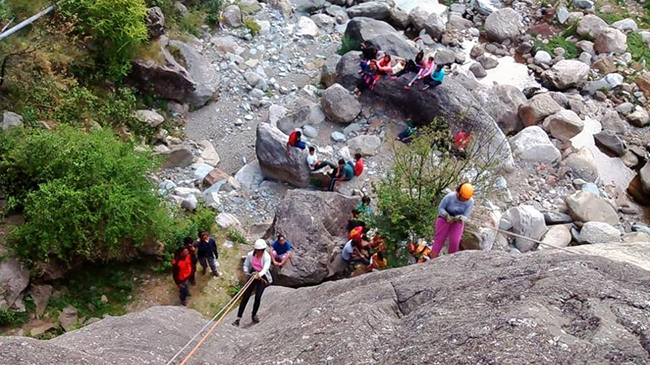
[
  {"x": 610, "y": 143},
  {"x": 503, "y": 24},
  {"x": 526, "y": 221},
  {"x": 586, "y": 207},
  {"x": 557, "y": 236},
  {"x": 339, "y": 105},
  {"x": 155, "y": 22},
  {"x": 478, "y": 70},
  {"x": 590, "y": 26},
  {"x": 374, "y": 10},
  {"x": 583, "y": 165},
  {"x": 564, "y": 125},
  {"x": 366, "y": 145},
  {"x": 232, "y": 16},
  {"x": 537, "y": 108},
  {"x": 567, "y": 74},
  {"x": 68, "y": 318},
  {"x": 270, "y": 148},
  {"x": 598, "y": 232},
  {"x": 382, "y": 35},
  {"x": 610, "y": 40},
  {"x": 313, "y": 223},
  {"x": 532, "y": 144},
  {"x": 10, "y": 120}
]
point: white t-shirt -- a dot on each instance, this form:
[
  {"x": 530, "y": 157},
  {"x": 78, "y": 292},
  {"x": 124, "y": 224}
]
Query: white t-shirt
[
  {"x": 311, "y": 160},
  {"x": 347, "y": 251}
]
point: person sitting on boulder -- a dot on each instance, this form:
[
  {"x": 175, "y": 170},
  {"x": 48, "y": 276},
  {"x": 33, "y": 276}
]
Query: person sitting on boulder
[
  {"x": 419, "y": 252},
  {"x": 256, "y": 265},
  {"x": 352, "y": 254},
  {"x": 188, "y": 242},
  {"x": 368, "y": 51},
  {"x": 436, "y": 77},
  {"x": 182, "y": 271},
  {"x": 294, "y": 141},
  {"x": 453, "y": 211},
  {"x": 208, "y": 254},
  {"x": 364, "y": 207},
  {"x": 314, "y": 163},
  {"x": 281, "y": 251},
  {"x": 368, "y": 78},
  {"x": 406, "y": 136},
  {"x": 428, "y": 66},
  {"x": 410, "y": 66},
  {"x": 384, "y": 67},
  {"x": 358, "y": 165},
  {"x": 377, "y": 262},
  {"x": 345, "y": 172}
]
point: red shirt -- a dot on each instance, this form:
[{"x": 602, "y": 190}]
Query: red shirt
[
  {"x": 358, "y": 167},
  {"x": 184, "y": 268},
  {"x": 293, "y": 138},
  {"x": 461, "y": 140}
]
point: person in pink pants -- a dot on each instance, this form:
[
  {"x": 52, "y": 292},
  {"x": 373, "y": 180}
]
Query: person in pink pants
[{"x": 453, "y": 211}]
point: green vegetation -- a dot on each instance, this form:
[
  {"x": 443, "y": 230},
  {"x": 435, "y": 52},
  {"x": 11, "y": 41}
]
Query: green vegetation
[
  {"x": 638, "y": 47},
  {"x": 10, "y": 317},
  {"x": 83, "y": 195},
  {"x": 407, "y": 200},
  {"x": 237, "y": 237},
  {"x": 115, "y": 27},
  {"x": 559, "y": 41},
  {"x": 213, "y": 12},
  {"x": 191, "y": 23},
  {"x": 252, "y": 26},
  {"x": 347, "y": 45}
]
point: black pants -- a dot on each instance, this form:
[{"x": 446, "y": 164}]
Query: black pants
[
  {"x": 335, "y": 179},
  {"x": 355, "y": 260},
  {"x": 411, "y": 66},
  {"x": 193, "y": 276},
  {"x": 322, "y": 164},
  {"x": 258, "y": 285},
  {"x": 184, "y": 291},
  {"x": 431, "y": 82}
]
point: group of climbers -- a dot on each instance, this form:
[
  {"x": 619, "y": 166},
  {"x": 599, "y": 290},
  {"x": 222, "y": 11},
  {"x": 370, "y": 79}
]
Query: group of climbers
[
  {"x": 359, "y": 249},
  {"x": 203, "y": 251},
  {"x": 374, "y": 65},
  {"x": 343, "y": 171}
]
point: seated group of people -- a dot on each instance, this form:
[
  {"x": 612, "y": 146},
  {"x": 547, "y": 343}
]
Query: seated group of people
[
  {"x": 375, "y": 64},
  {"x": 360, "y": 249}
]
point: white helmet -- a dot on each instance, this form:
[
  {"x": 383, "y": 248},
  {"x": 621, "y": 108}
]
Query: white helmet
[{"x": 260, "y": 244}]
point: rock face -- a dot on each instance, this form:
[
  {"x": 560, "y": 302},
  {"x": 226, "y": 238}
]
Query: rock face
[
  {"x": 382, "y": 35},
  {"x": 339, "y": 105},
  {"x": 195, "y": 84},
  {"x": 586, "y": 207},
  {"x": 14, "y": 278},
  {"x": 503, "y": 24},
  {"x": 502, "y": 102},
  {"x": 611, "y": 40},
  {"x": 567, "y": 74},
  {"x": 564, "y": 125},
  {"x": 374, "y": 10},
  {"x": 453, "y": 99},
  {"x": 537, "y": 108},
  {"x": 526, "y": 221},
  {"x": 155, "y": 22},
  {"x": 532, "y": 144},
  {"x": 270, "y": 148},
  {"x": 586, "y": 296},
  {"x": 314, "y": 224},
  {"x": 598, "y": 232}
]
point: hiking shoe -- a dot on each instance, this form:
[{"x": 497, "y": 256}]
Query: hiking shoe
[
  {"x": 216, "y": 274},
  {"x": 204, "y": 271},
  {"x": 236, "y": 322},
  {"x": 256, "y": 319},
  {"x": 426, "y": 87},
  {"x": 184, "y": 303}
]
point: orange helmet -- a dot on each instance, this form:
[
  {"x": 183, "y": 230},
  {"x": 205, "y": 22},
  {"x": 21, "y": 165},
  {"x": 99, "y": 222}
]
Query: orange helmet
[{"x": 466, "y": 191}]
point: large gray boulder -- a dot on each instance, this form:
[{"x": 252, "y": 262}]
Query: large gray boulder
[
  {"x": 270, "y": 148},
  {"x": 526, "y": 221},
  {"x": 564, "y": 125},
  {"x": 476, "y": 304},
  {"x": 502, "y": 102},
  {"x": 587, "y": 207},
  {"x": 195, "y": 83},
  {"x": 590, "y": 26},
  {"x": 503, "y": 24},
  {"x": 537, "y": 108},
  {"x": 374, "y": 10},
  {"x": 599, "y": 232},
  {"x": 611, "y": 40},
  {"x": 532, "y": 145},
  {"x": 314, "y": 222},
  {"x": 308, "y": 6},
  {"x": 347, "y": 70},
  {"x": 382, "y": 35},
  {"x": 339, "y": 105},
  {"x": 567, "y": 74},
  {"x": 454, "y": 102},
  {"x": 232, "y": 16}
]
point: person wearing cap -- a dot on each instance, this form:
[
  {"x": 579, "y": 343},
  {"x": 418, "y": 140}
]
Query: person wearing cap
[
  {"x": 453, "y": 212},
  {"x": 256, "y": 265}
]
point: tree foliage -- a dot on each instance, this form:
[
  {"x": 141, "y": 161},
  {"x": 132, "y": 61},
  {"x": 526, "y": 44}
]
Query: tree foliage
[
  {"x": 421, "y": 173},
  {"x": 82, "y": 194}
]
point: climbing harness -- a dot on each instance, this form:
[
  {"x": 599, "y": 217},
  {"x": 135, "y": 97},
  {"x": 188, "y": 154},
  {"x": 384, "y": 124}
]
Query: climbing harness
[{"x": 221, "y": 315}]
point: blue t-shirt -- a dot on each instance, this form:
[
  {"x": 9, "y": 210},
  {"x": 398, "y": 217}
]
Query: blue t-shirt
[
  {"x": 281, "y": 249},
  {"x": 438, "y": 75},
  {"x": 347, "y": 251}
]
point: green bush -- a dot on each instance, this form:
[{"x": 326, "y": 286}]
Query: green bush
[
  {"x": 9, "y": 317},
  {"x": 252, "y": 26},
  {"x": 347, "y": 45},
  {"x": 213, "y": 11},
  {"x": 559, "y": 42},
  {"x": 638, "y": 47},
  {"x": 115, "y": 27},
  {"x": 83, "y": 195}
]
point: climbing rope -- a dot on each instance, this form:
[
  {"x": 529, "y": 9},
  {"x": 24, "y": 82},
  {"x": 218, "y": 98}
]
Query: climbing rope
[
  {"x": 221, "y": 313},
  {"x": 526, "y": 238}
]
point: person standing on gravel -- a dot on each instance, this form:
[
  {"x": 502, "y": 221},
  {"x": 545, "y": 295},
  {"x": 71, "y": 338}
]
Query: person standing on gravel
[
  {"x": 256, "y": 265},
  {"x": 182, "y": 271},
  {"x": 208, "y": 254}
]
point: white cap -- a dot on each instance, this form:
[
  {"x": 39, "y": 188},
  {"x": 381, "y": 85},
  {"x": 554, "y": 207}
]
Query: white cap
[{"x": 260, "y": 244}]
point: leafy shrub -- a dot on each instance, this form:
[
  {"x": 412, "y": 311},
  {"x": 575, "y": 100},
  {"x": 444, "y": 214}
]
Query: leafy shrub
[
  {"x": 237, "y": 237},
  {"x": 115, "y": 27},
  {"x": 191, "y": 23},
  {"x": 348, "y": 44},
  {"x": 213, "y": 11},
  {"x": 638, "y": 47},
  {"x": 83, "y": 195},
  {"x": 559, "y": 42},
  {"x": 252, "y": 26},
  {"x": 10, "y": 317}
]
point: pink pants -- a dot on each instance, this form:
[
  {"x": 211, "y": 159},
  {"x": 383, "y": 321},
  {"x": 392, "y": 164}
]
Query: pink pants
[{"x": 444, "y": 229}]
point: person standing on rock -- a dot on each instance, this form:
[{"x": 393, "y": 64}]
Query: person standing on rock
[
  {"x": 294, "y": 141},
  {"x": 208, "y": 254},
  {"x": 281, "y": 251},
  {"x": 345, "y": 173},
  {"x": 256, "y": 265},
  {"x": 314, "y": 163},
  {"x": 182, "y": 271},
  {"x": 188, "y": 242},
  {"x": 453, "y": 212}
]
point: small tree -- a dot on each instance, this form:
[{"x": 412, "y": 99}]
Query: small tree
[{"x": 408, "y": 197}]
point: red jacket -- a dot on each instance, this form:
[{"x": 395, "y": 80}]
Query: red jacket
[
  {"x": 358, "y": 167},
  {"x": 182, "y": 269}
]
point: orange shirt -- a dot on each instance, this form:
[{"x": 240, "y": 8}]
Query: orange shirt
[{"x": 184, "y": 268}]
